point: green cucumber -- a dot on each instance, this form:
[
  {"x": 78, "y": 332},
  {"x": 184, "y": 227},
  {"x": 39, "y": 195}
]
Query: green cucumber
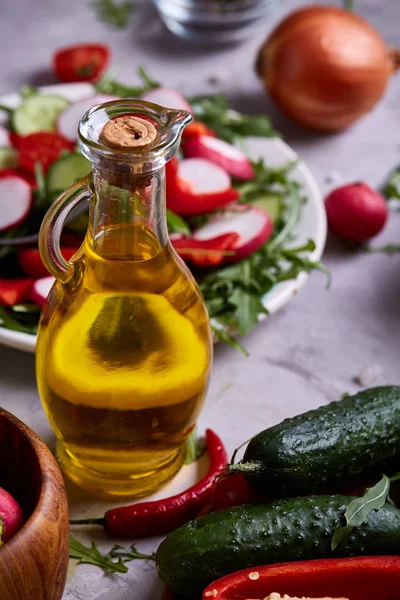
[
  {"x": 335, "y": 445},
  {"x": 272, "y": 204},
  {"x": 203, "y": 550},
  {"x": 8, "y": 157},
  {"x": 38, "y": 113},
  {"x": 65, "y": 171}
]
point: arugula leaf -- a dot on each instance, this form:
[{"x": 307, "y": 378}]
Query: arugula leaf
[
  {"x": 108, "y": 85},
  {"x": 93, "y": 556},
  {"x": 359, "y": 508},
  {"x": 224, "y": 336},
  {"x": 388, "y": 249},
  {"x": 194, "y": 447},
  {"x": 27, "y": 91},
  {"x": 176, "y": 224},
  {"x": 392, "y": 188},
  {"x": 16, "y": 324},
  {"x": 116, "y": 14},
  {"x": 41, "y": 188},
  {"x": 126, "y": 555},
  {"x": 229, "y": 125}
]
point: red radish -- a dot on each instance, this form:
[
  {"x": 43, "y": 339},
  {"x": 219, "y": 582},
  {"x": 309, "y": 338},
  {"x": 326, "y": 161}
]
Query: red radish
[
  {"x": 15, "y": 201},
  {"x": 31, "y": 263},
  {"x": 4, "y": 137},
  {"x": 41, "y": 289},
  {"x": 252, "y": 224},
  {"x": 356, "y": 212},
  {"x": 228, "y": 157},
  {"x": 196, "y": 186},
  {"x": 19, "y": 173},
  {"x": 166, "y": 97},
  {"x": 197, "y": 128},
  {"x": 68, "y": 120},
  {"x": 14, "y": 291},
  {"x": 11, "y": 516}
]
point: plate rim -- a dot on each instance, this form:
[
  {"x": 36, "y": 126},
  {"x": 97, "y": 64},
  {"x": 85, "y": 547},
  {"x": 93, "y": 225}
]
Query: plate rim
[{"x": 287, "y": 290}]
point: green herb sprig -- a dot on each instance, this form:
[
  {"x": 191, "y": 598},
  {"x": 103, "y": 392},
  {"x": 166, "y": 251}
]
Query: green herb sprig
[
  {"x": 108, "y": 85},
  {"x": 115, "y": 14},
  {"x": 112, "y": 562}
]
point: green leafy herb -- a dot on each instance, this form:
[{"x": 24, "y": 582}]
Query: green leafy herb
[
  {"x": 359, "y": 508},
  {"x": 111, "y": 12},
  {"x": 126, "y": 555},
  {"x": 41, "y": 188},
  {"x": 194, "y": 447},
  {"x": 229, "y": 125},
  {"x": 224, "y": 336},
  {"x": 388, "y": 249},
  {"x": 108, "y": 85},
  {"x": 6, "y": 109},
  {"x": 267, "y": 180},
  {"x": 348, "y": 5},
  {"x": 392, "y": 188},
  {"x": 176, "y": 224},
  {"x": 93, "y": 556},
  {"x": 11, "y": 319},
  {"x": 27, "y": 91}
]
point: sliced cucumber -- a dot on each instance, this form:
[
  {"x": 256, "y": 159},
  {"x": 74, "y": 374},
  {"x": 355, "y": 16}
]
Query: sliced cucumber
[
  {"x": 65, "y": 171},
  {"x": 38, "y": 113},
  {"x": 8, "y": 157},
  {"x": 272, "y": 204}
]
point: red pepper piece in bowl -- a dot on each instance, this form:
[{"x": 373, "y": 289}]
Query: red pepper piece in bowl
[
  {"x": 205, "y": 253},
  {"x": 14, "y": 291},
  {"x": 358, "y": 578},
  {"x": 162, "y": 516}
]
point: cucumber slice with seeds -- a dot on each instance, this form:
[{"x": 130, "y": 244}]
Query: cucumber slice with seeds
[
  {"x": 38, "y": 113},
  {"x": 65, "y": 171},
  {"x": 272, "y": 204}
]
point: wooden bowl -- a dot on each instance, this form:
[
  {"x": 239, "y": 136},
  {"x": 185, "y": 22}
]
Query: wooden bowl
[{"x": 33, "y": 563}]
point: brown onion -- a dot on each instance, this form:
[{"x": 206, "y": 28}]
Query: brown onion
[{"x": 325, "y": 67}]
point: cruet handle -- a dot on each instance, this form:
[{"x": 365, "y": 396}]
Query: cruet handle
[{"x": 52, "y": 226}]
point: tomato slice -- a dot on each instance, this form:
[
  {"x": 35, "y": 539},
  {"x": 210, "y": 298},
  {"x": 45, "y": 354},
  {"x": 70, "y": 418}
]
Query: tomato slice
[
  {"x": 44, "y": 147},
  {"x": 85, "y": 62}
]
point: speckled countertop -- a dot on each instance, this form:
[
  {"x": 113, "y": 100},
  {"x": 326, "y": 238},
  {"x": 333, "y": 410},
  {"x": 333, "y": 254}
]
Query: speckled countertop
[{"x": 310, "y": 352}]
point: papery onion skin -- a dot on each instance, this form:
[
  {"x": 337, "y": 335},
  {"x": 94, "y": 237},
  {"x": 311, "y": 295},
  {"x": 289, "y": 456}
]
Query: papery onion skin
[{"x": 325, "y": 67}]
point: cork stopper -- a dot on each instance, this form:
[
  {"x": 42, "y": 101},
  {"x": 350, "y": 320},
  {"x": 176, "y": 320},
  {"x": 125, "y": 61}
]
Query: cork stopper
[{"x": 128, "y": 133}]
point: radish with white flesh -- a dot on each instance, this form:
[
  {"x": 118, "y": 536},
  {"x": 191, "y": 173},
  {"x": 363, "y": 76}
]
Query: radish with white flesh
[
  {"x": 252, "y": 224},
  {"x": 4, "y": 137},
  {"x": 68, "y": 120},
  {"x": 41, "y": 289},
  {"x": 228, "y": 157},
  {"x": 15, "y": 201},
  {"x": 203, "y": 176},
  {"x": 11, "y": 516},
  {"x": 166, "y": 97}
]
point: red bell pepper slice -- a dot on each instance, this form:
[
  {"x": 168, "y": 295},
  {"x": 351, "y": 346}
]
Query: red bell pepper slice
[
  {"x": 30, "y": 261},
  {"x": 181, "y": 200},
  {"x": 197, "y": 128},
  {"x": 14, "y": 291},
  {"x": 207, "y": 254},
  {"x": 358, "y": 578}
]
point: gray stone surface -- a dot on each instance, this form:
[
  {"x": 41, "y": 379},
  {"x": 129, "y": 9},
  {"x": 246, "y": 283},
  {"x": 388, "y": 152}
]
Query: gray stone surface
[{"x": 314, "y": 348}]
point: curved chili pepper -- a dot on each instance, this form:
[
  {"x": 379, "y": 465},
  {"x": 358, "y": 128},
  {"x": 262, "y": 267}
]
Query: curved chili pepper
[
  {"x": 209, "y": 255},
  {"x": 181, "y": 200},
  {"x": 358, "y": 578},
  {"x": 162, "y": 516}
]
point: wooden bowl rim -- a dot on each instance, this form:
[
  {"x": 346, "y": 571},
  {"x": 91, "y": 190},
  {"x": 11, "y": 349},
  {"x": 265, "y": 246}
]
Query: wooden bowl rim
[{"x": 46, "y": 498}]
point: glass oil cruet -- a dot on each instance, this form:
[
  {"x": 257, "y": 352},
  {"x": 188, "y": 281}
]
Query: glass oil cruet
[{"x": 124, "y": 347}]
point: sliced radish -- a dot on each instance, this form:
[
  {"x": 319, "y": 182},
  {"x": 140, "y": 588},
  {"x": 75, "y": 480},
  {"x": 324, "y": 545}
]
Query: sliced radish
[
  {"x": 203, "y": 176},
  {"x": 11, "y": 516},
  {"x": 4, "y": 137},
  {"x": 15, "y": 201},
  {"x": 68, "y": 120},
  {"x": 14, "y": 291},
  {"x": 196, "y": 186},
  {"x": 252, "y": 224},
  {"x": 41, "y": 289},
  {"x": 230, "y": 158},
  {"x": 166, "y": 97}
]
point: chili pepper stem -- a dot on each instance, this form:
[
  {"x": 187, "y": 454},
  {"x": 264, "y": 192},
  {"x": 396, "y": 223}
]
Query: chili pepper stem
[{"x": 100, "y": 522}]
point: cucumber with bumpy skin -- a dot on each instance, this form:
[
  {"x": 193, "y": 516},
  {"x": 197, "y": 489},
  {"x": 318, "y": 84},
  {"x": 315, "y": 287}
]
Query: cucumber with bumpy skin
[
  {"x": 203, "y": 550},
  {"x": 38, "y": 113},
  {"x": 325, "y": 449}
]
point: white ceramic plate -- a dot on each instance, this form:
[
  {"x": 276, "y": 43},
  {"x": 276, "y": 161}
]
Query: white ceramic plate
[{"x": 275, "y": 152}]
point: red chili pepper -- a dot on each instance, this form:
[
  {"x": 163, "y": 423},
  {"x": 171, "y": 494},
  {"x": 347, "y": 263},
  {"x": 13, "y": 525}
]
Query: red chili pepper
[
  {"x": 44, "y": 147},
  {"x": 162, "y": 516},
  {"x": 233, "y": 490},
  {"x": 84, "y": 62},
  {"x": 181, "y": 200},
  {"x": 208, "y": 254},
  {"x": 14, "y": 291},
  {"x": 358, "y": 578}
]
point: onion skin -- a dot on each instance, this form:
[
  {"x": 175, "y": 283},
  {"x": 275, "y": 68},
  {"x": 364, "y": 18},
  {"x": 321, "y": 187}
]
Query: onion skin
[{"x": 325, "y": 67}]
